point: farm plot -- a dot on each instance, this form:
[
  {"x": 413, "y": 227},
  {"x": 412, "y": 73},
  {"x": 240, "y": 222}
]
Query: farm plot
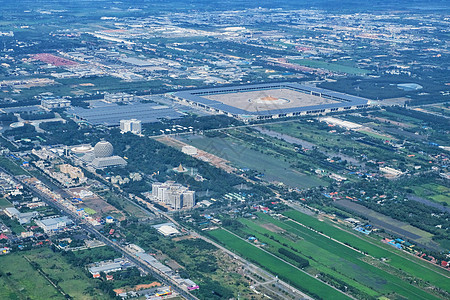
[
  {"x": 324, "y": 253},
  {"x": 395, "y": 258},
  {"x": 276, "y": 266}
]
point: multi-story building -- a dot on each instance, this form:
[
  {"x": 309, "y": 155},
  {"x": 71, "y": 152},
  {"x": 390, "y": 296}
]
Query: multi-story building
[
  {"x": 132, "y": 125},
  {"x": 173, "y": 194}
]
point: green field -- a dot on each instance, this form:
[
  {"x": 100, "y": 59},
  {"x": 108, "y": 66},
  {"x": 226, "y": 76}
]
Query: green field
[
  {"x": 20, "y": 280},
  {"x": 432, "y": 191},
  {"x": 242, "y": 156},
  {"x": 285, "y": 271},
  {"x": 396, "y": 258},
  {"x": 347, "y": 263},
  {"x": 5, "y": 203},
  {"x": 89, "y": 211},
  {"x": 330, "y": 66},
  {"x": 10, "y": 166}
]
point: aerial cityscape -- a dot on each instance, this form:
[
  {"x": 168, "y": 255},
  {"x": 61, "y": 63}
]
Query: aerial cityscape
[{"x": 224, "y": 150}]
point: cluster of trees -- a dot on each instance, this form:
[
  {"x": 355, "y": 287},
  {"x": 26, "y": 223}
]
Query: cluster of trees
[
  {"x": 9, "y": 117},
  {"x": 37, "y": 116},
  {"x": 301, "y": 262},
  {"x": 429, "y": 119}
]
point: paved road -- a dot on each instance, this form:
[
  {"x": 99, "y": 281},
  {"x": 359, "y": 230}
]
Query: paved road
[{"x": 91, "y": 229}]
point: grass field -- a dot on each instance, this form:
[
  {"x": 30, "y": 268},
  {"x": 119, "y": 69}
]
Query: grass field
[
  {"x": 277, "y": 266},
  {"x": 336, "y": 259},
  {"x": 10, "y": 166},
  {"x": 127, "y": 207},
  {"x": 432, "y": 191},
  {"x": 330, "y": 66},
  {"x": 395, "y": 258},
  {"x": 89, "y": 211},
  {"x": 5, "y": 203},
  {"x": 242, "y": 156},
  {"x": 72, "y": 280},
  {"x": 20, "y": 280}
]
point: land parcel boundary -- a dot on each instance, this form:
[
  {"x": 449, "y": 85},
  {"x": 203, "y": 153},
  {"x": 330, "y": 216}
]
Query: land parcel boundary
[
  {"x": 277, "y": 266},
  {"x": 396, "y": 259}
]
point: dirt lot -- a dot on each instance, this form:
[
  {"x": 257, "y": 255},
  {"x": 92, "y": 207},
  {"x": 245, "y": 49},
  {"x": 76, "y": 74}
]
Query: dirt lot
[
  {"x": 96, "y": 203},
  {"x": 273, "y": 228}
]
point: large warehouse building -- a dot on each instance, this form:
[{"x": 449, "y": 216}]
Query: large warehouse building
[{"x": 270, "y": 101}]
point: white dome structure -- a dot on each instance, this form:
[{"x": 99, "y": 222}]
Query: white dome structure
[{"x": 103, "y": 149}]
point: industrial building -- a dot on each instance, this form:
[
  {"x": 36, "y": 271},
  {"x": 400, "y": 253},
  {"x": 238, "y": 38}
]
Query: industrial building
[
  {"x": 167, "y": 229},
  {"x": 119, "y": 97},
  {"x": 109, "y": 266},
  {"x": 22, "y": 218},
  {"x": 110, "y": 114},
  {"x": 55, "y": 103},
  {"x": 269, "y": 101},
  {"x": 50, "y": 225},
  {"x": 173, "y": 194},
  {"x": 133, "y": 126}
]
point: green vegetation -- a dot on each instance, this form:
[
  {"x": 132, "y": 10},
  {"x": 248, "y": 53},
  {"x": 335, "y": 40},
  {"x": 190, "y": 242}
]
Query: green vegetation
[
  {"x": 276, "y": 266},
  {"x": 73, "y": 281},
  {"x": 433, "y": 191},
  {"x": 32, "y": 274},
  {"x": 395, "y": 258},
  {"x": 242, "y": 154},
  {"x": 20, "y": 280},
  {"x": 11, "y": 167},
  {"x": 123, "y": 204},
  {"x": 333, "y": 67},
  {"x": 196, "y": 259},
  {"x": 4, "y": 203}
]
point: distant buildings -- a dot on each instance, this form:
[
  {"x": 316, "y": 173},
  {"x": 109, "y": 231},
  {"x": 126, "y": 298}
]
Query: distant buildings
[
  {"x": 50, "y": 225},
  {"x": 22, "y": 218},
  {"x": 73, "y": 172},
  {"x": 173, "y": 194},
  {"x": 55, "y": 103},
  {"x": 132, "y": 125},
  {"x": 102, "y": 156},
  {"x": 119, "y": 97}
]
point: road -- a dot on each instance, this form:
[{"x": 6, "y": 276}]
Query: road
[{"x": 91, "y": 229}]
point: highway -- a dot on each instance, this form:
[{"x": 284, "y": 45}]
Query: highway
[{"x": 163, "y": 278}]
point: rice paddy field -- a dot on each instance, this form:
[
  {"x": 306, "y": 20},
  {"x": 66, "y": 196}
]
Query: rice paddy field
[{"x": 366, "y": 265}]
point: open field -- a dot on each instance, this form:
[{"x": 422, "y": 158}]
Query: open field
[
  {"x": 276, "y": 266},
  {"x": 330, "y": 66},
  {"x": 19, "y": 280},
  {"x": 391, "y": 225},
  {"x": 347, "y": 264},
  {"x": 320, "y": 259},
  {"x": 396, "y": 258},
  {"x": 10, "y": 166},
  {"x": 434, "y": 192},
  {"x": 96, "y": 206},
  {"x": 242, "y": 156},
  {"x": 125, "y": 205},
  {"x": 71, "y": 280},
  {"x": 5, "y": 203}
]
